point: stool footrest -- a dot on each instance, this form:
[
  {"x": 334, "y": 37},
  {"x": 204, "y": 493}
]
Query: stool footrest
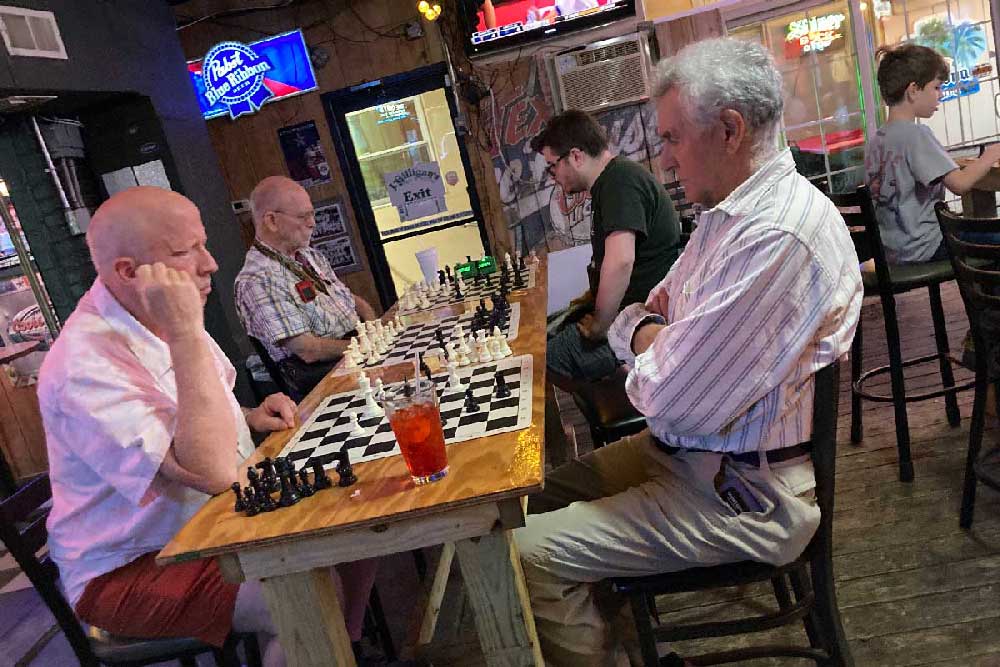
[
  {"x": 858, "y": 386},
  {"x": 757, "y": 652},
  {"x": 738, "y": 626}
]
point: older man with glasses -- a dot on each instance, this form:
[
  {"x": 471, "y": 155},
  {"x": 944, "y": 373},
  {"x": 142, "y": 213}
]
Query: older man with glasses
[{"x": 287, "y": 295}]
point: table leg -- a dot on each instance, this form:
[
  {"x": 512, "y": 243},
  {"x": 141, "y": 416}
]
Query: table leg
[
  {"x": 309, "y": 620},
  {"x": 494, "y": 581}
]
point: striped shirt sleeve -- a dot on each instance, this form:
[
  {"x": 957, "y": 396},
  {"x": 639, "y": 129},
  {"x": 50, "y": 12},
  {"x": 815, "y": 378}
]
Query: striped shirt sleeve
[{"x": 739, "y": 329}]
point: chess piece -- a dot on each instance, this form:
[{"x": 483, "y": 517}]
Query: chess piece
[
  {"x": 251, "y": 507},
  {"x": 520, "y": 263},
  {"x": 289, "y": 489},
  {"x": 470, "y": 401},
  {"x": 442, "y": 280},
  {"x": 463, "y": 346},
  {"x": 265, "y": 503},
  {"x": 399, "y": 323},
  {"x": 305, "y": 488},
  {"x": 463, "y": 359},
  {"x": 440, "y": 339},
  {"x": 364, "y": 343},
  {"x": 449, "y": 351},
  {"x": 240, "y": 503},
  {"x": 379, "y": 389},
  {"x": 344, "y": 468},
  {"x": 372, "y": 409},
  {"x": 502, "y": 390},
  {"x": 350, "y": 360},
  {"x": 533, "y": 257},
  {"x": 487, "y": 281},
  {"x": 507, "y": 263},
  {"x": 424, "y": 368},
  {"x": 518, "y": 280},
  {"x": 268, "y": 478},
  {"x": 364, "y": 383},
  {"x": 459, "y": 286},
  {"x": 485, "y": 356},
  {"x": 320, "y": 480},
  {"x": 454, "y": 382},
  {"x": 356, "y": 428},
  {"x": 502, "y": 347}
]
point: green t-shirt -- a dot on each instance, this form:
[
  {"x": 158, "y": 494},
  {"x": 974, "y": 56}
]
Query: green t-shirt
[{"x": 627, "y": 197}]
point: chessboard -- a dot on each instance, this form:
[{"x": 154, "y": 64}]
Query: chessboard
[
  {"x": 328, "y": 429},
  {"x": 421, "y": 338},
  {"x": 446, "y": 296}
]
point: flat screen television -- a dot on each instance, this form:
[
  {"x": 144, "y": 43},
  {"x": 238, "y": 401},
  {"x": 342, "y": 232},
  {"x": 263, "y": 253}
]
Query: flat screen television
[{"x": 493, "y": 25}]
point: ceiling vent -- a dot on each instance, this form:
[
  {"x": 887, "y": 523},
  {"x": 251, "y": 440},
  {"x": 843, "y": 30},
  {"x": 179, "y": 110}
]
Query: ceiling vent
[
  {"x": 29, "y": 32},
  {"x": 606, "y": 74}
]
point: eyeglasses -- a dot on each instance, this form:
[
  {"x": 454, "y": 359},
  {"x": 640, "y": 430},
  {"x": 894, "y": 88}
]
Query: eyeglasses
[
  {"x": 301, "y": 217},
  {"x": 550, "y": 168}
]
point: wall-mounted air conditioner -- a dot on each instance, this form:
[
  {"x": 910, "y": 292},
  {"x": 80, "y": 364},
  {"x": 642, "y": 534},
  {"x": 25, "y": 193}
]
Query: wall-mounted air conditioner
[{"x": 610, "y": 73}]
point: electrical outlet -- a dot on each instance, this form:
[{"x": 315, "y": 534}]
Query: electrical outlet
[{"x": 241, "y": 206}]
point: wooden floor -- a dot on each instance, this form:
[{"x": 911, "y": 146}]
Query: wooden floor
[{"x": 914, "y": 589}]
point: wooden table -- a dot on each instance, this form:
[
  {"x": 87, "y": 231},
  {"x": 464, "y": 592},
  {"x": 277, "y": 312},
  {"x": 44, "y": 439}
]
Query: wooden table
[
  {"x": 475, "y": 507},
  {"x": 981, "y": 201}
]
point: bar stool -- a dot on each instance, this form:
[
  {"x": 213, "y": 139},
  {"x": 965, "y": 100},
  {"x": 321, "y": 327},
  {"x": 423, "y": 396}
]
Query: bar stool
[
  {"x": 811, "y": 574},
  {"x": 887, "y": 281},
  {"x": 977, "y": 271}
]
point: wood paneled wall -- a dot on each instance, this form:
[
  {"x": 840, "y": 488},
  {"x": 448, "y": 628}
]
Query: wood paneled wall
[{"x": 363, "y": 41}]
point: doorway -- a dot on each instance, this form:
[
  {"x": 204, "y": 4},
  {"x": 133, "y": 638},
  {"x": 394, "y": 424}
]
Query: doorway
[{"x": 408, "y": 174}]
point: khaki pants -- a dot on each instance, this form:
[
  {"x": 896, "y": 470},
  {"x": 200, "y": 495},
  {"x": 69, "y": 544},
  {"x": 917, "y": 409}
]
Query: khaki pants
[{"x": 630, "y": 509}]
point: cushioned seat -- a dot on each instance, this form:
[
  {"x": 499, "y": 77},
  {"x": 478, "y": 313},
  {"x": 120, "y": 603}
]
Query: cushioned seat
[{"x": 906, "y": 277}]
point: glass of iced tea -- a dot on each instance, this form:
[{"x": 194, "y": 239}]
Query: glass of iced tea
[{"x": 416, "y": 422}]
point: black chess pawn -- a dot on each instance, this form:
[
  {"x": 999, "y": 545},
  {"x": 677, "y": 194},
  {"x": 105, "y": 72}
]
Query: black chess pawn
[
  {"x": 305, "y": 488},
  {"x": 447, "y": 273},
  {"x": 250, "y": 502},
  {"x": 482, "y": 305},
  {"x": 289, "y": 489},
  {"x": 476, "y": 277},
  {"x": 502, "y": 390},
  {"x": 344, "y": 468},
  {"x": 518, "y": 280},
  {"x": 240, "y": 503},
  {"x": 320, "y": 480},
  {"x": 442, "y": 279},
  {"x": 439, "y": 336},
  {"x": 520, "y": 263},
  {"x": 458, "y": 291},
  {"x": 470, "y": 401},
  {"x": 424, "y": 368}
]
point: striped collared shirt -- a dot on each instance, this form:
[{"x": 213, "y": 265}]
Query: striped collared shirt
[
  {"x": 272, "y": 310},
  {"x": 766, "y": 293}
]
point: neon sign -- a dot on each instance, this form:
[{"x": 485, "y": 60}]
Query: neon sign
[{"x": 814, "y": 34}]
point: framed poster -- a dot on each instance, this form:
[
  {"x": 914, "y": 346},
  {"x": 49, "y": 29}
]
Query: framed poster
[
  {"x": 332, "y": 237},
  {"x": 304, "y": 155}
]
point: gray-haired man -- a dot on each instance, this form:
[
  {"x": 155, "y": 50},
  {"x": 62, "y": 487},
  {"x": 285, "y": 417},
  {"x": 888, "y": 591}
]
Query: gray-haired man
[{"x": 722, "y": 358}]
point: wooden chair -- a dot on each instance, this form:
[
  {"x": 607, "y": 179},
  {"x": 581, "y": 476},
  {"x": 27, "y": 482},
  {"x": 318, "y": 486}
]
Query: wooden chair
[
  {"x": 272, "y": 367},
  {"x": 811, "y": 574},
  {"x": 977, "y": 271},
  {"x": 23, "y": 532},
  {"x": 885, "y": 282}
]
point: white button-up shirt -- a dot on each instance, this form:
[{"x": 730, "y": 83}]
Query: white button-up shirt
[
  {"x": 766, "y": 293},
  {"x": 109, "y": 403}
]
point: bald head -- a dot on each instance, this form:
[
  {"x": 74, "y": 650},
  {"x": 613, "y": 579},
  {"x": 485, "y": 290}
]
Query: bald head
[
  {"x": 131, "y": 222},
  {"x": 273, "y": 194}
]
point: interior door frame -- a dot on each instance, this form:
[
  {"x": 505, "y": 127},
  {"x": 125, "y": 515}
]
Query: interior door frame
[{"x": 337, "y": 104}]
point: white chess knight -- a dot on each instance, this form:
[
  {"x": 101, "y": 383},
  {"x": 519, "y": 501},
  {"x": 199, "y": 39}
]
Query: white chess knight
[
  {"x": 356, "y": 427},
  {"x": 372, "y": 409},
  {"x": 454, "y": 382}
]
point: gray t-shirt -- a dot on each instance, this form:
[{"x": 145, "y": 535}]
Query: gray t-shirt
[{"x": 904, "y": 164}]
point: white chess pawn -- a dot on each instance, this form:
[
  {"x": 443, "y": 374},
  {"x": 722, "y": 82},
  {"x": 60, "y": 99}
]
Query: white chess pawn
[
  {"x": 503, "y": 349},
  {"x": 372, "y": 409},
  {"x": 356, "y": 427},
  {"x": 379, "y": 389},
  {"x": 461, "y": 285},
  {"x": 364, "y": 382},
  {"x": 454, "y": 382},
  {"x": 463, "y": 346},
  {"x": 379, "y": 342},
  {"x": 373, "y": 357},
  {"x": 484, "y": 352},
  {"x": 399, "y": 323},
  {"x": 507, "y": 262},
  {"x": 463, "y": 358},
  {"x": 533, "y": 257},
  {"x": 481, "y": 336},
  {"x": 357, "y": 322},
  {"x": 434, "y": 287},
  {"x": 459, "y": 332},
  {"x": 350, "y": 361},
  {"x": 364, "y": 344},
  {"x": 449, "y": 348}
]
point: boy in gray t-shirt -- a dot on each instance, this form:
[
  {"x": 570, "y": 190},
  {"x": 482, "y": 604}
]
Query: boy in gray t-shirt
[{"x": 906, "y": 167}]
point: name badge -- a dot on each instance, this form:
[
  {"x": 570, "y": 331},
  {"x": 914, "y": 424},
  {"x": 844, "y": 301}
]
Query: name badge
[{"x": 306, "y": 290}]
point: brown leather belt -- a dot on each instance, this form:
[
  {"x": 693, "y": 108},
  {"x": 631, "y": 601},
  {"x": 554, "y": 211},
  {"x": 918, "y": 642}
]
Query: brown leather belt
[{"x": 749, "y": 458}]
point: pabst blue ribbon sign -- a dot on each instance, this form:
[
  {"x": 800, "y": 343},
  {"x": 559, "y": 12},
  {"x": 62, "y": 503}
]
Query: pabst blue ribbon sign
[
  {"x": 235, "y": 78},
  {"x": 234, "y": 75}
]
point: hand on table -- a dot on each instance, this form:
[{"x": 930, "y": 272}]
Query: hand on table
[
  {"x": 171, "y": 300},
  {"x": 276, "y": 413}
]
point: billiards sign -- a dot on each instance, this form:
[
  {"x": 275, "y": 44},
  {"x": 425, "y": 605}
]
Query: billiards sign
[{"x": 417, "y": 191}]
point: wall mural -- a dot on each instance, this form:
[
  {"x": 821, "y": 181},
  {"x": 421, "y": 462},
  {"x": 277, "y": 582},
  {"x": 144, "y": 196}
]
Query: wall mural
[{"x": 539, "y": 212}]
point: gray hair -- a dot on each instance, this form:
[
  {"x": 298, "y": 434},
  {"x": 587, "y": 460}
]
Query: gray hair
[{"x": 727, "y": 73}]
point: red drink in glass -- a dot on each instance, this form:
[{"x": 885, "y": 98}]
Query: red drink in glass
[{"x": 416, "y": 422}]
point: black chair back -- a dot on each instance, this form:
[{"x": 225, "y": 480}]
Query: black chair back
[
  {"x": 826, "y": 404},
  {"x": 858, "y": 212},
  {"x": 23, "y": 531},
  {"x": 977, "y": 271},
  {"x": 271, "y": 366}
]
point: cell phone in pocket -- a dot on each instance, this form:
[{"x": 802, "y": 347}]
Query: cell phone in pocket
[{"x": 735, "y": 492}]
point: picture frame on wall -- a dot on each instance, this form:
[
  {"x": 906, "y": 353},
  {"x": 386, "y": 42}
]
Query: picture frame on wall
[{"x": 332, "y": 237}]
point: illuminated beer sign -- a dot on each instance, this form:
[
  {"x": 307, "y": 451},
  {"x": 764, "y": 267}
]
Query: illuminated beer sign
[{"x": 814, "y": 34}]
